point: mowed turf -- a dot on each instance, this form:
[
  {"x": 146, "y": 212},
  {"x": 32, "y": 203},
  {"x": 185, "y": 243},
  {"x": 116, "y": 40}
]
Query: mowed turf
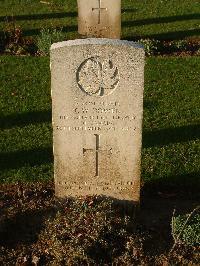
[
  {"x": 171, "y": 131},
  {"x": 157, "y": 19}
]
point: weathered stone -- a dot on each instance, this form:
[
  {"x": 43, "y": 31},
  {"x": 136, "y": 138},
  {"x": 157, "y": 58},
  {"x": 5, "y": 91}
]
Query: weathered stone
[
  {"x": 97, "y": 98},
  {"x": 99, "y": 18}
]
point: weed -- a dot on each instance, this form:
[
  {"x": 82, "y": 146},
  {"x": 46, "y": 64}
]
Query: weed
[
  {"x": 150, "y": 46},
  {"x": 180, "y": 45},
  {"x": 46, "y": 38},
  {"x": 186, "y": 228}
]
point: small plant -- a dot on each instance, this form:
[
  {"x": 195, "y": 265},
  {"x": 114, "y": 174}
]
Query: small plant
[
  {"x": 186, "y": 228},
  {"x": 150, "y": 46},
  {"x": 46, "y": 38},
  {"x": 180, "y": 45}
]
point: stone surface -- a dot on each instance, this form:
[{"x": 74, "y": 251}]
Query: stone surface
[
  {"x": 97, "y": 100},
  {"x": 99, "y": 18}
]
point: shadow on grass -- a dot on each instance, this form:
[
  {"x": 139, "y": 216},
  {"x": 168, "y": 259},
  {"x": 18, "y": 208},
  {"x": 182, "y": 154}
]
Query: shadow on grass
[
  {"x": 49, "y": 15},
  {"x": 38, "y": 16},
  {"x": 25, "y": 119},
  {"x": 173, "y": 35},
  {"x": 161, "y": 20},
  {"x": 15, "y": 160},
  {"x": 166, "y": 136},
  {"x": 185, "y": 186}
]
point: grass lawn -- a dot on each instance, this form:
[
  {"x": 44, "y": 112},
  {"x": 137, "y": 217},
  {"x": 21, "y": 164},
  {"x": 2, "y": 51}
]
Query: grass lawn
[
  {"x": 170, "y": 130},
  {"x": 157, "y": 19}
]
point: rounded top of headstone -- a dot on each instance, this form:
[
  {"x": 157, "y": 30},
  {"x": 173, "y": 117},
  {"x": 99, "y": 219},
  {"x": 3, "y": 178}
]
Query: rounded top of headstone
[{"x": 96, "y": 41}]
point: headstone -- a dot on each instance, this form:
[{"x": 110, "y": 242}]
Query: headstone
[
  {"x": 99, "y": 18},
  {"x": 97, "y": 99}
]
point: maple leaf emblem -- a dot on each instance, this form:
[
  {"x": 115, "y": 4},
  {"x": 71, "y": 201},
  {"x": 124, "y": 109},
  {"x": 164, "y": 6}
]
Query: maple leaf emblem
[{"x": 97, "y": 77}]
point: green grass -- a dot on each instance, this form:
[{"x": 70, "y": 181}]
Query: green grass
[
  {"x": 171, "y": 130},
  {"x": 171, "y": 121},
  {"x": 160, "y": 19},
  {"x": 26, "y": 141}
]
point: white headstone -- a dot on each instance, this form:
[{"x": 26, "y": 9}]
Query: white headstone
[
  {"x": 99, "y": 18},
  {"x": 97, "y": 98}
]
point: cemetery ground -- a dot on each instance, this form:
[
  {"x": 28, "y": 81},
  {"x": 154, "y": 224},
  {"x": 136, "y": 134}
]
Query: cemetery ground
[
  {"x": 170, "y": 172},
  {"x": 90, "y": 230}
]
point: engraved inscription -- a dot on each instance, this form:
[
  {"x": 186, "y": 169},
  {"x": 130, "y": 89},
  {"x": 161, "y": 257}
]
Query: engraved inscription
[
  {"x": 100, "y": 117},
  {"x": 100, "y": 185},
  {"x": 97, "y": 76},
  {"x": 97, "y": 150}
]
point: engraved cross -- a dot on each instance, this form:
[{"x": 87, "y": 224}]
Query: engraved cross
[
  {"x": 99, "y": 9},
  {"x": 97, "y": 150}
]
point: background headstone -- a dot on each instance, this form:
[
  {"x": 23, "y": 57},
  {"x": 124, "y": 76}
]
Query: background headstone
[
  {"x": 97, "y": 98},
  {"x": 99, "y": 18}
]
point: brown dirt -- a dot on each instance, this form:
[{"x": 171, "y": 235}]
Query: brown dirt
[{"x": 25, "y": 209}]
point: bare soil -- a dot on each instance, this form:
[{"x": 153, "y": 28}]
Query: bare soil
[{"x": 26, "y": 208}]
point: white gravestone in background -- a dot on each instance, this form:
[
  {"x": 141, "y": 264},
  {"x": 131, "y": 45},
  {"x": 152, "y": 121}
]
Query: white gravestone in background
[
  {"x": 99, "y": 18},
  {"x": 97, "y": 99}
]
